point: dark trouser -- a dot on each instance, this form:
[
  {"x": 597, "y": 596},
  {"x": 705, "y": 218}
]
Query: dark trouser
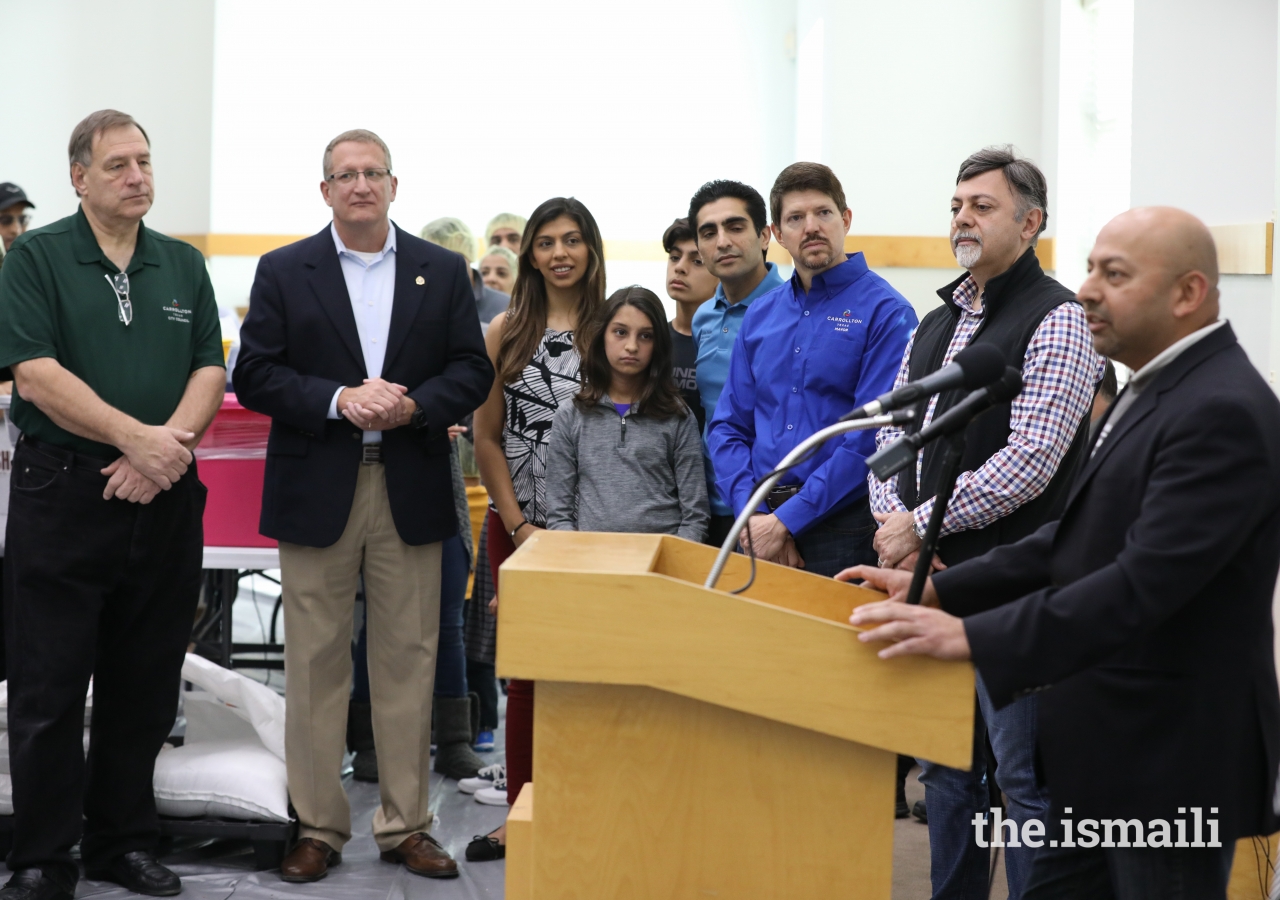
[
  {"x": 519, "y": 693},
  {"x": 959, "y": 867},
  {"x": 101, "y": 588},
  {"x": 1130, "y": 873},
  {"x": 841, "y": 540},
  {"x": 718, "y": 530},
  {"x": 451, "y": 659},
  {"x": 482, "y": 680},
  {"x": 451, "y": 664}
]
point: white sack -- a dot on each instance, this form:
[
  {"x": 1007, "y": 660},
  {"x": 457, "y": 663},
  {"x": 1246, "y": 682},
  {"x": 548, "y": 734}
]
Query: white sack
[
  {"x": 235, "y": 779},
  {"x": 256, "y": 703}
]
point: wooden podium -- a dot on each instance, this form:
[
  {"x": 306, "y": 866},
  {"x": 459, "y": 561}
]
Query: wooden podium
[{"x": 693, "y": 744}]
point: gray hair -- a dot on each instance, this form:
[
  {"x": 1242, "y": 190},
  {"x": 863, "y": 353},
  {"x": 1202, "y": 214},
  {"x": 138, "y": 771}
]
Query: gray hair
[
  {"x": 505, "y": 253},
  {"x": 1024, "y": 178},
  {"x": 505, "y": 220},
  {"x": 80, "y": 149},
  {"x": 357, "y": 136},
  {"x": 452, "y": 234}
]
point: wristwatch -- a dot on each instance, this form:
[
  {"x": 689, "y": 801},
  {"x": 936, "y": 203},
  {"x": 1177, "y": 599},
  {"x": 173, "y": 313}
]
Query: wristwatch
[
  {"x": 418, "y": 421},
  {"x": 918, "y": 529}
]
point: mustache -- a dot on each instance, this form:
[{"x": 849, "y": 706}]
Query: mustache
[{"x": 965, "y": 236}]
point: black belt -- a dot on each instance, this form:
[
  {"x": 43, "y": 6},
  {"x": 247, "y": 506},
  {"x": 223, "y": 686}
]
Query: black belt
[
  {"x": 371, "y": 454},
  {"x": 780, "y": 495},
  {"x": 65, "y": 455}
]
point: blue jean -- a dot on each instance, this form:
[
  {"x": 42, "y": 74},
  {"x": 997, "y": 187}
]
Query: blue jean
[
  {"x": 841, "y": 540},
  {"x": 959, "y": 868},
  {"x": 451, "y": 658},
  {"x": 451, "y": 662},
  {"x": 1131, "y": 873}
]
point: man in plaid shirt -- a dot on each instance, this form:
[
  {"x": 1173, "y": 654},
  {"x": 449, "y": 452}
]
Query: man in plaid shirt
[{"x": 1018, "y": 462}]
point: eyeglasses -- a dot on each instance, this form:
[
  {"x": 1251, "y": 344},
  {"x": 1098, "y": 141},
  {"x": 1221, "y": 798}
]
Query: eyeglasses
[
  {"x": 24, "y": 220},
  {"x": 120, "y": 285},
  {"x": 373, "y": 176}
]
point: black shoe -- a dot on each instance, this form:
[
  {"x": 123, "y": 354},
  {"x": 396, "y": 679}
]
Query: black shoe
[
  {"x": 31, "y": 884},
  {"x": 485, "y": 849},
  {"x": 900, "y": 809},
  {"x": 139, "y": 872},
  {"x": 920, "y": 813}
]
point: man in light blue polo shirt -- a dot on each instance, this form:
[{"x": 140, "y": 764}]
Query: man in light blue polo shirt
[
  {"x": 732, "y": 229},
  {"x": 810, "y": 351}
]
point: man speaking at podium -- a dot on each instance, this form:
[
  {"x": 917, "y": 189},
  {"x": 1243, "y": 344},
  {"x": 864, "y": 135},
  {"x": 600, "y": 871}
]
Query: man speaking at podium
[{"x": 1144, "y": 612}]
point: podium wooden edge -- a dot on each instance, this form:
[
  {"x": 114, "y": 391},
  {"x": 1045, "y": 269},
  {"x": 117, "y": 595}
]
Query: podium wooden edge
[
  {"x": 604, "y": 647},
  {"x": 519, "y": 873}
]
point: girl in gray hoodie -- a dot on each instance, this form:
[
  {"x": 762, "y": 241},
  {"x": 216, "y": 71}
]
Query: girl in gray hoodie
[{"x": 626, "y": 455}]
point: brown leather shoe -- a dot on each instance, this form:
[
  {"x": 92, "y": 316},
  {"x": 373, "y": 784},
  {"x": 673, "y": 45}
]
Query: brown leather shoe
[
  {"x": 423, "y": 855},
  {"x": 309, "y": 860}
]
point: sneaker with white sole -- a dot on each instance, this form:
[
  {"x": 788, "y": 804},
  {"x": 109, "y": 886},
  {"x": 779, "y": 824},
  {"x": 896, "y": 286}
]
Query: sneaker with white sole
[
  {"x": 484, "y": 742},
  {"x": 484, "y": 778},
  {"x": 493, "y": 796}
]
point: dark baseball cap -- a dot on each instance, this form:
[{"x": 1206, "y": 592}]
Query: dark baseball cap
[{"x": 11, "y": 194}]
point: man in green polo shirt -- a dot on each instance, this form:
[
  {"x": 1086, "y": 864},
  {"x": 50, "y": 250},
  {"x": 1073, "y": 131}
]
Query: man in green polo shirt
[{"x": 112, "y": 333}]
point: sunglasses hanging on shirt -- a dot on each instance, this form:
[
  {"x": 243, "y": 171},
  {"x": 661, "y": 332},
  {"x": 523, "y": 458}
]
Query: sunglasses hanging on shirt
[{"x": 120, "y": 285}]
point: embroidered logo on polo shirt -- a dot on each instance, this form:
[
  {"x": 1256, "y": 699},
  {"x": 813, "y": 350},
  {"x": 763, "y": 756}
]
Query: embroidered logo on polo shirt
[
  {"x": 843, "y": 321},
  {"x": 175, "y": 313}
]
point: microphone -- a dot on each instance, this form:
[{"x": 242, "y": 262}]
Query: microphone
[
  {"x": 901, "y": 453},
  {"x": 976, "y": 366}
]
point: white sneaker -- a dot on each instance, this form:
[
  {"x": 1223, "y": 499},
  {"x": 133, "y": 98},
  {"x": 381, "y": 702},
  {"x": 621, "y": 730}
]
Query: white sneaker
[
  {"x": 484, "y": 778},
  {"x": 493, "y": 796}
]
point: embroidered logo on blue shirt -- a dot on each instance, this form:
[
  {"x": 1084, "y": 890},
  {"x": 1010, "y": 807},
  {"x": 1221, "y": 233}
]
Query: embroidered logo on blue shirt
[{"x": 844, "y": 320}]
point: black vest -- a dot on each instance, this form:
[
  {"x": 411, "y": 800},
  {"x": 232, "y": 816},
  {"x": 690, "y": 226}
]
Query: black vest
[{"x": 1015, "y": 304}]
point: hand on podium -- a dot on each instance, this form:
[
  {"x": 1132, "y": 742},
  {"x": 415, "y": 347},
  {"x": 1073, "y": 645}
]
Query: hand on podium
[{"x": 923, "y": 630}]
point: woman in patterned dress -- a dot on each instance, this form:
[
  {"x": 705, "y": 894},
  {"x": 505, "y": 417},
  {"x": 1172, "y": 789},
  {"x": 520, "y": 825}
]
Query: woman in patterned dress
[{"x": 560, "y": 285}]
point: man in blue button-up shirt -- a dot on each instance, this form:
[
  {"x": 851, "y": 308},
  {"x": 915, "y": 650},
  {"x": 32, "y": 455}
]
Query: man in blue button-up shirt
[
  {"x": 808, "y": 352},
  {"x": 729, "y": 222}
]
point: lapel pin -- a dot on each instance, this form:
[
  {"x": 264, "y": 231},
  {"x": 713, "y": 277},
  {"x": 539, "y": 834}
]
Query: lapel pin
[{"x": 419, "y": 280}]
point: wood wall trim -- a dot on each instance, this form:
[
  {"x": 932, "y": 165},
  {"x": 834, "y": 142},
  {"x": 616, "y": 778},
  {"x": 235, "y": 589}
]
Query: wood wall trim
[
  {"x": 882, "y": 251},
  {"x": 239, "y": 244},
  {"x": 1244, "y": 249},
  {"x": 909, "y": 251}
]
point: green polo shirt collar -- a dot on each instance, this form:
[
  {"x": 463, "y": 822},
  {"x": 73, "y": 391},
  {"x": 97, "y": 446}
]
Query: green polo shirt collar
[{"x": 85, "y": 247}]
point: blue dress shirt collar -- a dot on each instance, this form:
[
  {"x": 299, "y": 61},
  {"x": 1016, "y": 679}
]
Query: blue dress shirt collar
[
  {"x": 765, "y": 286},
  {"x": 835, "y": 279}
]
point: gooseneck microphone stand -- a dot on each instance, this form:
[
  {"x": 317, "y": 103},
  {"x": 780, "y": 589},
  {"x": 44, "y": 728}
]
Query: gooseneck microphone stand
[
  {"x": 952, "y": 453},
  {"x": 801, "y": 451}
]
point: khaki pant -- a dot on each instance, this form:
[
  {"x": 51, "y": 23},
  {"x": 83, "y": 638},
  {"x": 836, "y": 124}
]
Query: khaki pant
[{"x": 402, "y": 589}]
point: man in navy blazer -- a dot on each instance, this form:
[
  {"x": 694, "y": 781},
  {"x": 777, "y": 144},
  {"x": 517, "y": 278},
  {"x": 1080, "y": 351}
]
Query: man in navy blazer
[
  {"x": 1144, "y": 612},
  {"x": 362, "y": 345}
]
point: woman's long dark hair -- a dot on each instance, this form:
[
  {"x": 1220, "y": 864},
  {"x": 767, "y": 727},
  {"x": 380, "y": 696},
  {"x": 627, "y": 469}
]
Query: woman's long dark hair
[
  {"x": 658, "y": 395},
  {"x": 526, "y": 318}
]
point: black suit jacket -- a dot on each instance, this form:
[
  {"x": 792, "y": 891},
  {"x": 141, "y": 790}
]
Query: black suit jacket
[
  {"x": 1146, "y": 609},
  {"x": 299, "y": 344}
]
